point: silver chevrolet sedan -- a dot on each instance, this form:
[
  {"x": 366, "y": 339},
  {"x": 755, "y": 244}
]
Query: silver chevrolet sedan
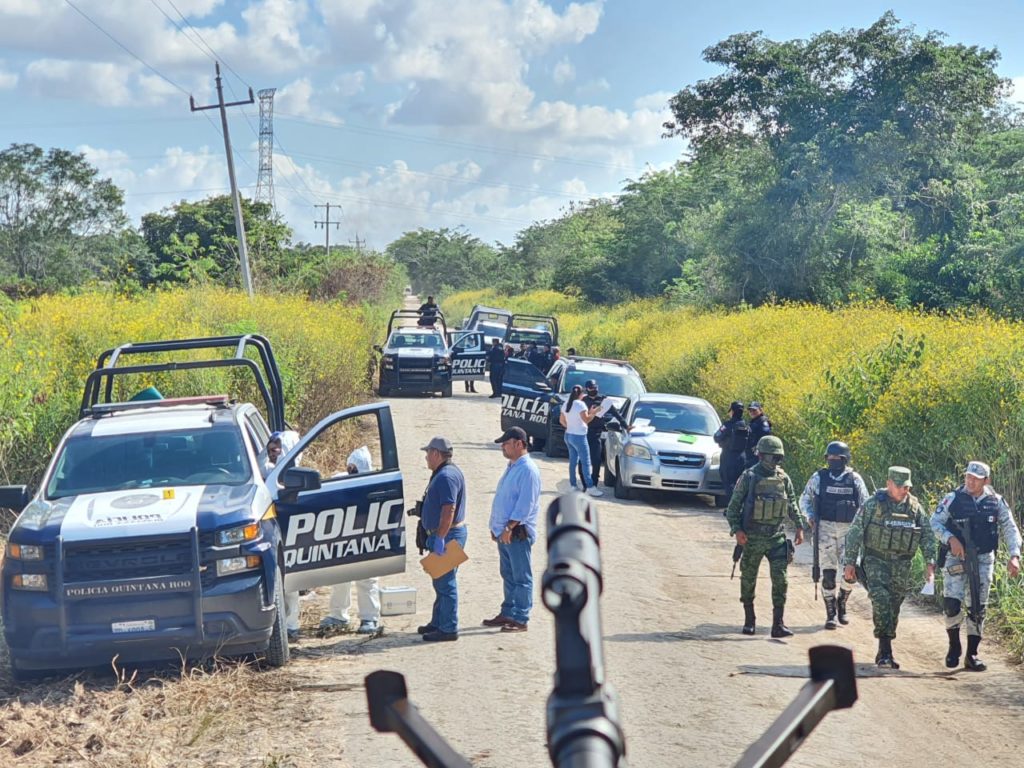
[{"x": 665, "y": 445}]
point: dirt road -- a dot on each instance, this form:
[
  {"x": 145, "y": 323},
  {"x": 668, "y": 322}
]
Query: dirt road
[{"x": 693, "y": 690}]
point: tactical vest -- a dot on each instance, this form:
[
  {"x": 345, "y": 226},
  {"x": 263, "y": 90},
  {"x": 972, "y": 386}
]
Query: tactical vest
[
  {"x": 891, "y": 530},
  {"x": 981, "y": 516},
  {"x": 838, "y": 500},
  {"x": 766, "y": 502},
  {"x": 737, "y": 437}
]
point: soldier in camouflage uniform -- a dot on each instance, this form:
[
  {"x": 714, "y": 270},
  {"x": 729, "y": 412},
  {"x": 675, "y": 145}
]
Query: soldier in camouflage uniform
[
  {"x": 887, "y": 531},
  {"x": 984, "y": 514},
  {"x": 762, "y": 500}
]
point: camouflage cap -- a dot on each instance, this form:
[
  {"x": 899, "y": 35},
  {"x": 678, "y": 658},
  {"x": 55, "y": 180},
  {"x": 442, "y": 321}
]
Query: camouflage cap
[
  {"x": 770, "y": 444},
  {"x": 900, "y": 477}
]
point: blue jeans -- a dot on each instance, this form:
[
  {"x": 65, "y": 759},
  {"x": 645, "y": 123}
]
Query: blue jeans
[
  {"x": 445, "y": 615},
  {"x": 517, "y": 575},
  {"x": 579, "y": 453}
]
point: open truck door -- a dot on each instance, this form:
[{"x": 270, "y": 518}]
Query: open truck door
[{"x": 340, "y": 527}]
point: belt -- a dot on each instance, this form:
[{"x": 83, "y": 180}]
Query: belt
[
  {"x": 764, "y": 529},
  {"x": 887, "y": 555},
  {"x": 433, "y": 531}
]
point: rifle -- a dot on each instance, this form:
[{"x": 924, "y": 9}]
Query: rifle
[
  {"x": 816, "y": 567},
  {"x": 737, "y": 553},
  {"x": 974, "y": 613}
]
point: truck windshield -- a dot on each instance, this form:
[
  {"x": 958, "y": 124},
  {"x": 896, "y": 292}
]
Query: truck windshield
[
  {"x": 90, "y": 464},
  {"x": 421, "y": 340},
  {"x": 678, "y": 417},
  {"x": 616, "y": 385}
]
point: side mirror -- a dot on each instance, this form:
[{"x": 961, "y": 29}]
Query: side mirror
[
  {"x": 15, "y": 497},
  {"x": 542, "y": 386},
  {"x": 299, "y": 479},
  {"x": 613, "y": 426}
]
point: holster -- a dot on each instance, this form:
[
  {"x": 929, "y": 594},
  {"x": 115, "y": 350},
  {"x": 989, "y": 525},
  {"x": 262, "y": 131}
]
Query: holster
[
  {"x": 421, "y": 536},
  {"x": 940, "y": 561}
]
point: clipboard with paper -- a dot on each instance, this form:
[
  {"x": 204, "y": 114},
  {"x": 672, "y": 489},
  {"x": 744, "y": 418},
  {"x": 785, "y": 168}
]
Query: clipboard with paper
[{"x": 438, "y": 565}]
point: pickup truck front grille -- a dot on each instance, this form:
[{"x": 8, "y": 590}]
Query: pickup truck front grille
[{"x": 99, "y": 561}]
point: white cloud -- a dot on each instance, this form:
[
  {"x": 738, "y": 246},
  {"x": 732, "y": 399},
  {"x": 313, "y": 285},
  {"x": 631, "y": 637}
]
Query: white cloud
[
  {"x": 102, "y": 83},
  {"x": 564, "y": 72},
  {"x": 7, "y": 79},
  {"x": 299, "y": 98},
  {"x": 349, "y": 84},
  {"x": 1017, "y": 89}
]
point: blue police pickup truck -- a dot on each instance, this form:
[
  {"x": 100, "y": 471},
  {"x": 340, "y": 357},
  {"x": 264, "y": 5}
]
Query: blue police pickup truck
[{"x": 161, "y": 530}]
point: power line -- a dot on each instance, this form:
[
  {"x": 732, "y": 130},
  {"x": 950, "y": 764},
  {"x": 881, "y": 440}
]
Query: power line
[
  {"x": 345, "y": 126},
  {"x": 125, "y": 48}
]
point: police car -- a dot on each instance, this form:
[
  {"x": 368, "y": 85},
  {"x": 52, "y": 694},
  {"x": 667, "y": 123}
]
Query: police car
[
  {"x": 667, "y": 444},
  {"x": 531, "y": 401},
  {"x": 154, "y": 534}
]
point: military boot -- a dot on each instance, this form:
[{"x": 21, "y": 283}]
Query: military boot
[
  {"x": 748, "y": 618},
  {"x": 844, "y": 594},
  {"x": 884, "y": 656},
  {"x": 830, "y": 613},
  {"x": 778, "y": 628},
  {"x": 953, "y": 654},
  {"x": 971, "y": 660}
]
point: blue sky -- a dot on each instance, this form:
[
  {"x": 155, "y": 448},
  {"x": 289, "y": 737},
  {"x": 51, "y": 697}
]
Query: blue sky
[{"x": 486, "y": 114}]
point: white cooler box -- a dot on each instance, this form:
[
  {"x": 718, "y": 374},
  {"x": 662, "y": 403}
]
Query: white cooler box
[{"x": 395, "y": 601}]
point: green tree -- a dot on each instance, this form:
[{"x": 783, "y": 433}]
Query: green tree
[
  {"x": 195, "y": 242},
  {"x": 442, "y": 260},
  {"x": 52, "y": 205}
]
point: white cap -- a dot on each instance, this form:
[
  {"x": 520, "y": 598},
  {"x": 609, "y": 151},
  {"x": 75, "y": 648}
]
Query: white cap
[{"x": 978, "y": 469}]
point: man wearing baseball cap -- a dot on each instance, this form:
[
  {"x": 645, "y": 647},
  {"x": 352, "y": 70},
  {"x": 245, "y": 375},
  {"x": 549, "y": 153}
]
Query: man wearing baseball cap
[
  {"x": 444, "y": 517},
  {"x": 968, "y": 522},
  {"x": 732, "y": 439},
  {"x": 513, "y": 525},
  {"x": 888, "y": 530},
  {"x": 759, "y": 427}
]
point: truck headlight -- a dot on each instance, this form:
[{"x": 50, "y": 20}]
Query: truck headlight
[
  {"x": 32, "y": 581},
  {"x": 228, "y": 565},
  {"x": 389, "y": 361},
  {"x": 238, "y": 535},
  {"x": 637, "y": 451},
  {"x": 25, "y": 551}
]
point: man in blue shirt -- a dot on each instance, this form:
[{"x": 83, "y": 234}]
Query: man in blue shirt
[
  {"x": 513, "y": 525},
  {"x": 444, "y": 517}
]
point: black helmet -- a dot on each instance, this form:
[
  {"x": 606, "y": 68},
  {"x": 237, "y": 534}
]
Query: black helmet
[{"x": 838, "y": 448}]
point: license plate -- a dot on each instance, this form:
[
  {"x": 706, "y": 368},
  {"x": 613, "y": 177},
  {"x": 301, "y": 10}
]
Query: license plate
[{"x": 144, "y": 625}]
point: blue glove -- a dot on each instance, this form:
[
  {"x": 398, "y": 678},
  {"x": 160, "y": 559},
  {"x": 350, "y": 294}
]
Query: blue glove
[{"x": 437, "y": 545}]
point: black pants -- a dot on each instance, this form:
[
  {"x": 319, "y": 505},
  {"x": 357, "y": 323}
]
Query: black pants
[
  {"x": 730, "y": 469},
  {"x": 469, "y": 385},
  {"x": 497, "y": 374},
  {"x": 594, "y": 444}
]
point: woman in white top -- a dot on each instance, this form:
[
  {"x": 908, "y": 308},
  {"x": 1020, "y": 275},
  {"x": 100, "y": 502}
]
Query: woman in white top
[{"x": 575, "y": 417}]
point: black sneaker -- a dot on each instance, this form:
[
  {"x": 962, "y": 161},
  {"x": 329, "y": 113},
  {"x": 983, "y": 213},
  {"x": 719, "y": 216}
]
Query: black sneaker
[
  {"x": 424, "y": 629},
  {"x": 440, "y": 637}
]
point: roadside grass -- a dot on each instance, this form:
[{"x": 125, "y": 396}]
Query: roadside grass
[{"x": 923, "y": 390}]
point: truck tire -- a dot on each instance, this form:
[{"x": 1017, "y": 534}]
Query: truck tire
[
  {"x": 550, "y": 444},
  {"x": 383, "y": 389},
  {"x": 622, "y": 491},
  {"x": 20, "y": 675},
  {"x": 277, "y": 649},
  {"x": 447, "y": 391}
]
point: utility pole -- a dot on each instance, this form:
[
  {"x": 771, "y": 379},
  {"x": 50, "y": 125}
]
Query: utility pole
[
  {"x": 359, "y": 243},
  {"x": 326, "y": 224},
  {"x": 243, "y": 251}
]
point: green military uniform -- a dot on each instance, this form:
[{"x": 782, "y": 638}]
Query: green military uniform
[
  {"x": 888, "y": 534},
  {"x": 761, "y": 502}
]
